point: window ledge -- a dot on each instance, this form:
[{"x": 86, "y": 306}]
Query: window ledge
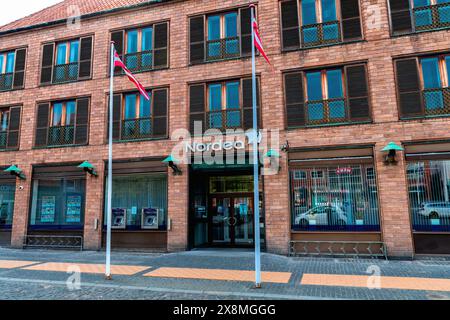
[
  {"x": 329, "y": 125},
  {"x": 416, "y": 33},
  {"x": 324, "y": 46},
  {"x": 140, "y": 140},
  {"x": 61, "y": 146},
  {"x": 138, "y": 72},
  {"x": 424, "y": 117},
  {"x": 221, "y": 60},
  {"x": 63, "y": 83}
]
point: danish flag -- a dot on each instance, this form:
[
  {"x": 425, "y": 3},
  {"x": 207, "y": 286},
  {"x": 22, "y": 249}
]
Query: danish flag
[
  {"x": 258, "y": 42},
  {"x": 131, "y": 77}
]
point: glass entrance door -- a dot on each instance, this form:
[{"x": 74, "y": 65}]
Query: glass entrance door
[
  {"x": 221, "y": 215},
  {"x": 243, "y": 215}
]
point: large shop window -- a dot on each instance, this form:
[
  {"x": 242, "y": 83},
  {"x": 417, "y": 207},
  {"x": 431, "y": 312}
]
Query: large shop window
[
  {"x": 58, "y": 203},
  {"x": 423, "y": 86},
  {"x": 139, "y": 197},
  {"x": 7, "y": 196},
  {"x": 12, "y": 69},
  {"x": 313, "y": 23},
  {"x": 334, "y": 198},
  {"x": 429, "y": 195}
]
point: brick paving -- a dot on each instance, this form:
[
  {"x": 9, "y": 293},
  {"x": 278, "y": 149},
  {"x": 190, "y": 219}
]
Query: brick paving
[{"x": 19, "y": 282}]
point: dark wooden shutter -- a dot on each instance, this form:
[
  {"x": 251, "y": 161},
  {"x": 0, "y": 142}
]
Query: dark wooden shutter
[
  {"x": 246, "y": 31},
  {"x": 357, "y": 93},
  {"x": 290, "y": 25},
  {"x": 295, "y": 101},
  {"x": 400, "y": 16},
  {"x": 117, "y": 117},
  {"x": 197, "y": 106},
  {"x": 14, "y": 127},
  {"x": 160, "y": 112},
  {"x": 118, "y": 38},
  {"x": 247, "y": 103},
  {"x": 408, "y": 86},
  {"x": 47, "y": 63},
  {"x": 161, "y": 45},
  {"x": 351, "y": 21},
  {"x": 42, "y": 125},
  {"x": 197, "y": 39},
  {"x": 85, "y": 66},
  {"x": 82, "y": 121},
  {"x": 19, "y": 69}
]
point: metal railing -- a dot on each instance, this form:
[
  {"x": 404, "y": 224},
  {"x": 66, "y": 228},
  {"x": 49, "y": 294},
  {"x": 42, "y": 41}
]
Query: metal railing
[
  {"x": 224, "y": 119},
  {"x": 65, "y": 73},
  {"x": 137, "y": 129},
  {"x": 3, "y": 139},
  {"x": 60, "y": 136},
  {"x": 6, "y": 81},
  {"x": 338, "y": 248},
  {"x": 53, "y": 242},
  {"x": 326, "y": 111},
  {"x": 139, "y": 61},
  {"x": 436, "y": 101},
  {"x": 319, "y": 34},
  {"x": 223, "y": 49},
  {"x": 432, "y": 17}
]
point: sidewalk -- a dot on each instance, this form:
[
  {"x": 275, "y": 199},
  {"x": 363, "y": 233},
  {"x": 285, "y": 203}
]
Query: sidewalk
[{"x": 38, "y": 274}]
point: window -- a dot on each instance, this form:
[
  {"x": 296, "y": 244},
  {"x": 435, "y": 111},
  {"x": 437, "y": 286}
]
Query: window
[
  {"x": 9, "y": 127},
  {"x": 409, "y": 16},
  {"x": 142, "y": 49},
  {"x": 222, "y": 105},
  {"x": 136, "y": 118},
  {"x": 423, "y": 86},
  {"x": 62, "y": 123},
  {"x": 12, "y": 69},
  {"x": 334, "y": 198},
  {"x": 220, "y": 36},
  {"x": 67, "y": 61},
  {"x": 7, "y": 195},
  {"x": 329, "y": 96},
  {"x": 312, "y": 23}
]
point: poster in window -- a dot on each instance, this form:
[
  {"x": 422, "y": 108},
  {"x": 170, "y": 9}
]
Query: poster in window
[
  {"x": 48, "y": 209},
  {"x": 73, "y": 208}
]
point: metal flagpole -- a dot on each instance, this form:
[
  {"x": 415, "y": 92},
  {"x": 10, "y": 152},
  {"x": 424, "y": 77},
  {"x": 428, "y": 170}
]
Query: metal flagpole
[
  {"x": 255, "y": 162},
  {"x": 109, "y": 204}
]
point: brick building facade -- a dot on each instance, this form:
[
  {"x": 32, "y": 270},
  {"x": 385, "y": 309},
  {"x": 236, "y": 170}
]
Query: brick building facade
[{"x": 315, "y": 140}]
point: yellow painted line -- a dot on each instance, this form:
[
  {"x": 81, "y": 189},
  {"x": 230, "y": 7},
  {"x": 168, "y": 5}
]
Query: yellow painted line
[
  {"x": 219, "y": 274},
  {"x": 403, "y": 283},
  {"x": 87, "y": 268},
  {"x": 12, "y": 264}
]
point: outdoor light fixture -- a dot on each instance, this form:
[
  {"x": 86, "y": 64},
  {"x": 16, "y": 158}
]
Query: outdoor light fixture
[
  {"x": 273, "y": 155},
  {"x": 171, "y": 162},
  {"x": 15, "y": 171},
  {"x": 89, "y": 168},
  {"x": 285, "y": 147},
  {"x": 391, "y": 150}
]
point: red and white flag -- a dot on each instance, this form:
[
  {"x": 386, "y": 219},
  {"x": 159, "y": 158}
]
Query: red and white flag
[
  {"x": 258, "y": 42},
  {"x": 131, "y": 77}
]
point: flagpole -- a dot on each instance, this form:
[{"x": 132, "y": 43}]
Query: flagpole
[
  {"x": 255, "y": 162},
  {"x": 110, "y": 155}
]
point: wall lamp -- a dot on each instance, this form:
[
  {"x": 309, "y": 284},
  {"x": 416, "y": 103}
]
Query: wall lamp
[
  {"x": 172, "y": 164},
  {"x": 391, "y": 150},
  {"x": 273, "y": 157},
  {"x": 89, "y": 168},
  {"x": 15, "y": 171},
  {"x": 285, "y": 147}
]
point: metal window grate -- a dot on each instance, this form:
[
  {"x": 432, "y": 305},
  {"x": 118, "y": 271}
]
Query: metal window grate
[
  {"x": 432, "y": 17},
  {"x": 329, "y": 111},
  {"x": 224, "y": 119},
  {"x": 65, "y": 73},
  {"x": 223, "y": 49},
  {"x": 137, "y": 129},
  {"x": 319, "y": 34},
  {"x": 3, "y": 139},
  {"x": 6, "y": 81},
  {"x": 53, "y": 242},
  {"x": 60, "y": 136},
  {"x": 436, "y": 101},
  {"x": 139, "y": 61},
  {"x": 338, "y": 248}
]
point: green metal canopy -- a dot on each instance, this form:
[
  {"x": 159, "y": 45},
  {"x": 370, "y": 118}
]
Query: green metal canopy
[
  {"x": 86, "y": 165},
  {"x": 13, "y": 169},
  {"x": 272, "y": 153},
  {"x": 170, "y": 159},
  {"x": 392, "y": 146}
]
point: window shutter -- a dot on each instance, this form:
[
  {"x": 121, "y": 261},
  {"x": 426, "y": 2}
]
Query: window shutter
[
  {"x": 247, "y": 103},
  {"x": 290, "y": 25},
  {"x": 82, "y": 121},
  {"x": 19, "y": 69},
  {"x": 197, "y": 106},
  {"x": 357, "y": 93},
  {"x": 14, "y": 128},
  {"x": 351, "y": 21},
  {"x": 160, "y": 112},
  {"x": 161, "y": 45},
  {"x": 117, "y": 117},
  {"x": 85, "y": 64},
  {"x": 47, "y": 63},
  {"x": 118, "y": 38},
  {"x": 197, "y": 39},
  {"x": 408, "y": 86},
  {"x": 295, "y": 103},
  {"x": 42, "y": 125},
  {"x": 400, "y": 16},
  {"x": 246, "y": 31}
]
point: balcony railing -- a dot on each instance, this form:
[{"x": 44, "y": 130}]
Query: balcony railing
[
  {"x": 3, "y": 139},
  {"x": 322, "y": 112},
  {"x": 224, "y": 119},
  {"x": 223, "y": 49},
  {"x": 320, "y": 34},
  {"x": 139, "y": 61},
  {"x": 6, "y": 81},
  {"x": 65, "y": 73},
  {"x": 436, "y": 101},
  {"x": 432, "y": 17},
  {"x": 60, "y": 136},
  {"x": 137, "y": 129}
]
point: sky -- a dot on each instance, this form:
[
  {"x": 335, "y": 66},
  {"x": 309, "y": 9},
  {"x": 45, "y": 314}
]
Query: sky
[{"x": 16, "y": 9}]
